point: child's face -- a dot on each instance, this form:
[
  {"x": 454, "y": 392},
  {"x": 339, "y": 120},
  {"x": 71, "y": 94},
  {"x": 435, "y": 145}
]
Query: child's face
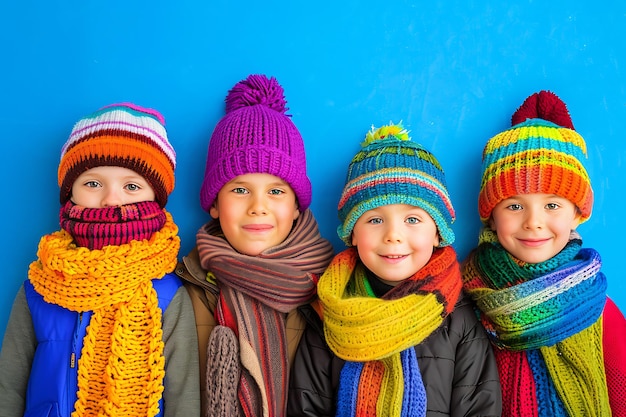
[
  {"x": 395, "y": 241},
  {"x": 256, "y": 212},
  {"x": 108, "y": 186},
  {"x": 534, "y": 227}
]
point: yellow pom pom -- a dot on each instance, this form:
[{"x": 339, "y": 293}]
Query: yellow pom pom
[{"x": 384, "y": 132}]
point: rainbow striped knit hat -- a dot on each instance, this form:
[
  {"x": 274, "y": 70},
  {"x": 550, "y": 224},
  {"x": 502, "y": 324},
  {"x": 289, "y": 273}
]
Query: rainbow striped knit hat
[
  {"x": 124, "y": 135},
  {"x": 541, "y": 153},
  {"x": 391, "y": 169}
]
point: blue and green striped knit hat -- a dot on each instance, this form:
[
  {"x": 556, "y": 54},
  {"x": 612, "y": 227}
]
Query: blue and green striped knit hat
[{"x": 391, "y": 169}]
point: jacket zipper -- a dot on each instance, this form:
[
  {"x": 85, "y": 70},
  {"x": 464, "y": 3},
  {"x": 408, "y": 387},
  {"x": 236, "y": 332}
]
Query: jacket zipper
[
  {"x": 76, "y": 332},
  {"x": 73, "y": 373}
]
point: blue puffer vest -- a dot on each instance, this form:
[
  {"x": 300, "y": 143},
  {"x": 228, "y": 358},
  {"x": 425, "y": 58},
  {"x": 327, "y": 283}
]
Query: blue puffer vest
[{"x": 52, "y": 385}]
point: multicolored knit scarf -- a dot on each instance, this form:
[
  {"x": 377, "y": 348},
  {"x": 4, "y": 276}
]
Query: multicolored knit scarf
[
  {"x": 95, "y": 228},
  {"x": 376, "y": 336},
  {"x": 115, "y": 377},
  {"x": 546, "y": 320},
  {"x": 255, "y": 295}
]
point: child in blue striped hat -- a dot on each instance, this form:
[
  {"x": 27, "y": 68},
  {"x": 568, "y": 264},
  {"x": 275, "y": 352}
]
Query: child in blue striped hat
[{"x": 395, "y": 334}]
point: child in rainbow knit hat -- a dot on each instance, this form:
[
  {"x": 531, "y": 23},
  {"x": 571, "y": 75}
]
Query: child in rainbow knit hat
[
  {"x": 401, "y": 339},
  {"x": 560, "y": 342},
  {"x": 102, "y": 326},
  {"x": 258, "y": 259}
]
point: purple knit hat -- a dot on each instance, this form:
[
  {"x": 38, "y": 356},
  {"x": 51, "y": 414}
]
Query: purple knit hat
[{"x": 256, "y": 136}]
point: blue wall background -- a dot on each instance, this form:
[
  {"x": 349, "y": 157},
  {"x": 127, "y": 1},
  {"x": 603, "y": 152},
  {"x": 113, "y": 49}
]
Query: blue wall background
[{"x": 453, "y": 71}]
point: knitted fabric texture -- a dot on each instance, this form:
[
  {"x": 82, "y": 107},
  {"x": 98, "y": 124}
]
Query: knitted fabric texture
[
  {"x": 223, "y": 373},
  {"x": 123, "y": 135},
  {"x": 541, "y": 153},
  {"x": 546, "y": 319},
  {"x": 361, "y": 384},
  {"x": 391, "y": 169},
  {"x": 362, "y": 328},
  {"x": 255, "y": 293},
  {"x": 256, "y": 136},
  {"x": 95, "y": 228},
  {"x": 614, "y": 336},
  {"x": 121, "y": 368}
]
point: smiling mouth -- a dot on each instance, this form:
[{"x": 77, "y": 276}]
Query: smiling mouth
[
  {"x": 533, "y": 242},
  {"x": 257, "y": 227}
]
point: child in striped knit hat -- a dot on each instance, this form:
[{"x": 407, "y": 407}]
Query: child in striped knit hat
[
  {"x": 560, "y": 343},
  {"x": 258, "y": 259},
  {"x": 398, "y": 337},
  {"x": 102, "y": 326}
]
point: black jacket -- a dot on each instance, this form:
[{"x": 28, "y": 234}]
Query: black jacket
[{"x": 457, "y": 364}]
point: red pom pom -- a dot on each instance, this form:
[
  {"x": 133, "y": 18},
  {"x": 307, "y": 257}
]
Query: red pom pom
[
  {"x": 544, "y": 105},
  {"x": 257, "y": 89}
]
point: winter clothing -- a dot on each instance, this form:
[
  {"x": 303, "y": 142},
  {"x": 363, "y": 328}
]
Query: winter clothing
[
  {"x": 391, "y": 169},
  {"x": 541, "y": 153},
  {"x": 548, "y": 319},
  {"x": 125, "y": 316},
  {"x": 246, "y": 315},
  {"x": 123, "y": 135},
  {"x": 246, "y": 305},
  {"x": 537, "y": 314},
  {"x": 20, "y": 346},
  {"x": 49, "y": 384},
  {"x": 93, "y": 325},
  {"x": 455, "y": 363},
  {"x": 96, "y": 228},
  {"x": 256, "y": 136},
  {"x": 407, "y": 349}
]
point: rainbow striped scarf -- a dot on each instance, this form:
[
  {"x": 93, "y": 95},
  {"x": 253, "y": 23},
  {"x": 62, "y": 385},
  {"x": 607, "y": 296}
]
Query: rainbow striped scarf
[
  {"x": 546, "y": 321},
  {"x": 376, "y": 335},
  {"x": 124, "y": 339}
]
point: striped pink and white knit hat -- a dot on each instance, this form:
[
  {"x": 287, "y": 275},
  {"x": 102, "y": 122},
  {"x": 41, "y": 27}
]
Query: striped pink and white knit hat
[{"x": 124, "y": 135}]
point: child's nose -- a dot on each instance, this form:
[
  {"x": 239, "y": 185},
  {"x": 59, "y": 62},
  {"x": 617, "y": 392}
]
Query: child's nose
[
  {"x": 533, "y": 220},
  {"x": 111, "y": 199},
  {"x": 392, "y": 234},
  {"x": 258, "y": 206}
]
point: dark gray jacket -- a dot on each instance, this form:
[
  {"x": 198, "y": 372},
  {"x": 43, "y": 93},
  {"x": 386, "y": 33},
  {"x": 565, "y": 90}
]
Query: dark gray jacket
[{"x": 457, "y": 364}]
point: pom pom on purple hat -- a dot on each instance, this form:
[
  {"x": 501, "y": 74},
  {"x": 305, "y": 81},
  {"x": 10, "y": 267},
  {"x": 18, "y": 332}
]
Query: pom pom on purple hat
[{"x": 256, "y": 136}]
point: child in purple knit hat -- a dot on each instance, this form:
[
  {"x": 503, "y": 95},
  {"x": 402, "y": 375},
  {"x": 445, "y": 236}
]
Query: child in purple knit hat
[{"x": 258, "y": 259}]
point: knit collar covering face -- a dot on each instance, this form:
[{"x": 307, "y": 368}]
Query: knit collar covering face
[
  {"x": 115, "y": 283},
  {"x": 95, "y": 228}
]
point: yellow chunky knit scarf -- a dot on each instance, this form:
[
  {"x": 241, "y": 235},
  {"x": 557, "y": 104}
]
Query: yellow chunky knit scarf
[
  {"x": 363, "y": 328},
  {"x": 121, "y": 369}
]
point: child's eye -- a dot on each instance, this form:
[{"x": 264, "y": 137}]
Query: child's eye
[
  {"x": 276, "y": 191},
  {"x": 552, "y": 206},
  {"x": 133, "y": 187},
  {"x": 92, "y": 184},
  {"x": 412, "y": 220},
  {"x": 375, "y": 220},
  {"x": 515, "y": 207},
  {"x": 240, "y": 190}
]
